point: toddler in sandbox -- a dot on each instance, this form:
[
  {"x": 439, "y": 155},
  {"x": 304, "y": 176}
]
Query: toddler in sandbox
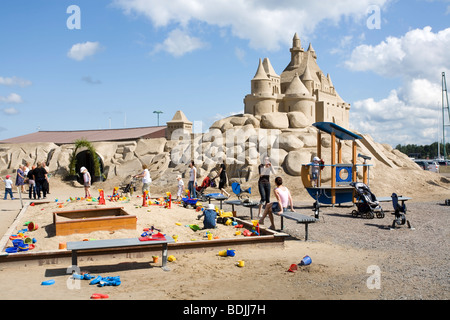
[{"x": 180, "y": 187}]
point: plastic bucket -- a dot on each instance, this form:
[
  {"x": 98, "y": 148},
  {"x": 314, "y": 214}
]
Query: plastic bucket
[
  {"x": 223, "y": 253},
  {"x": 32, "y": 226},
  {"x": 306, "y": 261},
  {"x": 17, "y": 242},
  {"x": 230, "y": 253},
  {"x": 293, "y": 268},
  {"x": 23, "y": 247}
]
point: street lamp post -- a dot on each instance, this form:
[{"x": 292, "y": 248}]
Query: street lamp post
[{"x": 158, "y": 113}]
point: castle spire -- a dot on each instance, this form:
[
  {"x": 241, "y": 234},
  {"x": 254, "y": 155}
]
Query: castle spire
[
  {"x": 261, "y": 72},
  {"x": 329, "y": 81},
  {"x": 307, "y": 75},
  {"x": 296, "y": 51},
  {"x": 268, "y": 68},
  {"x": 308, "y": 80},
  {"x": 296, "y": 43},
  {"x": 296, "y": 87},
  {"x": 312, "y": 51}
]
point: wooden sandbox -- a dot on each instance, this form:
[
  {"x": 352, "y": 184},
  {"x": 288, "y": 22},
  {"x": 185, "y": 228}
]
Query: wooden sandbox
[{"x": 89, "y": 220}]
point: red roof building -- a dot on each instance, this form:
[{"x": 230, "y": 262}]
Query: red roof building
[{"x": 67, "y": 137}]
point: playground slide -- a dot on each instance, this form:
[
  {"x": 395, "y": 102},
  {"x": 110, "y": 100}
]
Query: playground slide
[{"x": 368, "y": 142}]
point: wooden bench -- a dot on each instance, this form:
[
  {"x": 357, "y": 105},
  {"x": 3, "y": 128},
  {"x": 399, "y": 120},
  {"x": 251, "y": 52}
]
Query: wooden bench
[
  {"x": 77, "y": 246},
  {"x": 299, "y": 218}
]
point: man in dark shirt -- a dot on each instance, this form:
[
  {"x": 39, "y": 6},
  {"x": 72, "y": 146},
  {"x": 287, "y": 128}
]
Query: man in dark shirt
[
  {"x": 40, "y": 177},
  {"x": 31, "y": 183}
]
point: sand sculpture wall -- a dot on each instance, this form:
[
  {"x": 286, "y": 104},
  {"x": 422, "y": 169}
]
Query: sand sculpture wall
[{"x": 241, "y": 140}]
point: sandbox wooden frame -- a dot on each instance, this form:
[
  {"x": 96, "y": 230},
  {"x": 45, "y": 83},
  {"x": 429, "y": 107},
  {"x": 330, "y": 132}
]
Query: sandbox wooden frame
[
  {"x": 89, "y": 220},
  {"x": 267, "y": 237}
]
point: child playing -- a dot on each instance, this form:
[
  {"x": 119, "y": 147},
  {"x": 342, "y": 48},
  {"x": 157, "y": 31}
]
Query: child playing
[
  {"x": 315, "y": 168},
  {"x": 210, "y": 214},
  {"x": 8, "y": 187},
  {"x": 87, "y": 182},
  {"x": 180, "y": 187}
]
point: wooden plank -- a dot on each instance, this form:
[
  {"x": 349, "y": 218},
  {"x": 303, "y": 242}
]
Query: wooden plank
[{"x": 99, "y": 224}]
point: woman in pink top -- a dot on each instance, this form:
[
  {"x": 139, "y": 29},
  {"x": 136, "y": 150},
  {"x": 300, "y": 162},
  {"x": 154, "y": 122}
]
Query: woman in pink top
[{"x": 284, "y": 199}]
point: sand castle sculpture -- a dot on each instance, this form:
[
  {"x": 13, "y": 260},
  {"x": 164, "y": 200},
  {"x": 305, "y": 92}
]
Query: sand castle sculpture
[
  {"x": 277, "y": 122},
  {"x": 302, "y": 90}
]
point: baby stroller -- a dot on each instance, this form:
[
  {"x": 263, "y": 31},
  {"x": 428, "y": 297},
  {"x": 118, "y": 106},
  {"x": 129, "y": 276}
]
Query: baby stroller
[
  {"x": 399, "y": 213},
  {"x": 207, "y": 182},
  {"x": 129, "y": 187},
  {"x": 368, "y": 205},
  {"x": 242, "y": 194}
]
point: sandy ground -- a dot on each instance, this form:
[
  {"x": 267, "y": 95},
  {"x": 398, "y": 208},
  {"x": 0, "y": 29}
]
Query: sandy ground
[{"x": 346, "y": 252}]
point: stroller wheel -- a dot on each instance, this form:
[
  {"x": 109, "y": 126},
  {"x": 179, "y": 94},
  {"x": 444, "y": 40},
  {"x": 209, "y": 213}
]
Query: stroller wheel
[
  {"x": 243, "y": 196},
  {"x": 380, "y": 214},
  {"x": 355, "y": 213},
  {"x": 368, "y": 215}
]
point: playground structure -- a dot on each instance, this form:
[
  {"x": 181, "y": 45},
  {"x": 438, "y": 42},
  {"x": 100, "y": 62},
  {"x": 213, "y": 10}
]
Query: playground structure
[{"x": 342, "y": 175}]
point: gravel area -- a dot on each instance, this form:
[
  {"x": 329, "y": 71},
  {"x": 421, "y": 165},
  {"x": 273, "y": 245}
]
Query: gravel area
[{"x": 416, "y": 264}]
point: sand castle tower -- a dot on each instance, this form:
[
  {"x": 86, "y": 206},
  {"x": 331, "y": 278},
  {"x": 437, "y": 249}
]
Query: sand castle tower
[
  {"x": 302, "y": 87},
  {"x": 265, "y": 90},
  {"x": 180, "y": 125}
]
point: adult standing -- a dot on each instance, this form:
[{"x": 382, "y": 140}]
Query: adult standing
[
  {"x": 26, "y": 169},
  {"x": 146, "y": 179},
  {"x": 192, "y": 180},
  {"x": 265, "y": 169},
  {"x": 40, "y": 176},
  {"x": 47, "y": 181},
  {"x": 223, "y": 178},
  {"x": 31, "y": 183},
  {"x": 20, "y": 179}
]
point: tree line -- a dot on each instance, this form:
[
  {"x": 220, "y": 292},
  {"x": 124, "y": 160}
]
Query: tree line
[{"x": 424, "y": 152}]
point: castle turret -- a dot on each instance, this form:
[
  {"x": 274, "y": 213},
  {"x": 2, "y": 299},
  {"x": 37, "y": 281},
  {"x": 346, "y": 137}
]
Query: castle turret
[
  {"x": 298, "y": 99},
  {"x": 261, "y": 82},
  {"x": 296, "y": 51},
  {"x": 308, "y": 80},
  {"x": 178, "y": 127},
  {"x": 263, "y": 98},
  {"x": 312, "y": 52},
  {"x": 275, "y": 79}
]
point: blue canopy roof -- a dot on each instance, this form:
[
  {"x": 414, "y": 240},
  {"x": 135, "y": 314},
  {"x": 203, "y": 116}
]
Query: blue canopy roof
[{"x": 341, "y": 133}]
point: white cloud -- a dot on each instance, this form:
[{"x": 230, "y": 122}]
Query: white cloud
[
  {"x": 412, "y": 113},
  {"x": 419, "y": 52},
  {"x": 179, "y": 43},
  {"x": 11, "y": 98},
  {"x": 15, "y": 81},
  {"x": 80, "y": 51},
  {"x": 266, "y": 24},
  {"x": 10, "y": 111},
  {"x": 395, "y": 121}
]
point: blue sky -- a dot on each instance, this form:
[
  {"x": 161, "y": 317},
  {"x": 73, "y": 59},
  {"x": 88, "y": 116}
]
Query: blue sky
[{"x": 132, "y": 57}]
